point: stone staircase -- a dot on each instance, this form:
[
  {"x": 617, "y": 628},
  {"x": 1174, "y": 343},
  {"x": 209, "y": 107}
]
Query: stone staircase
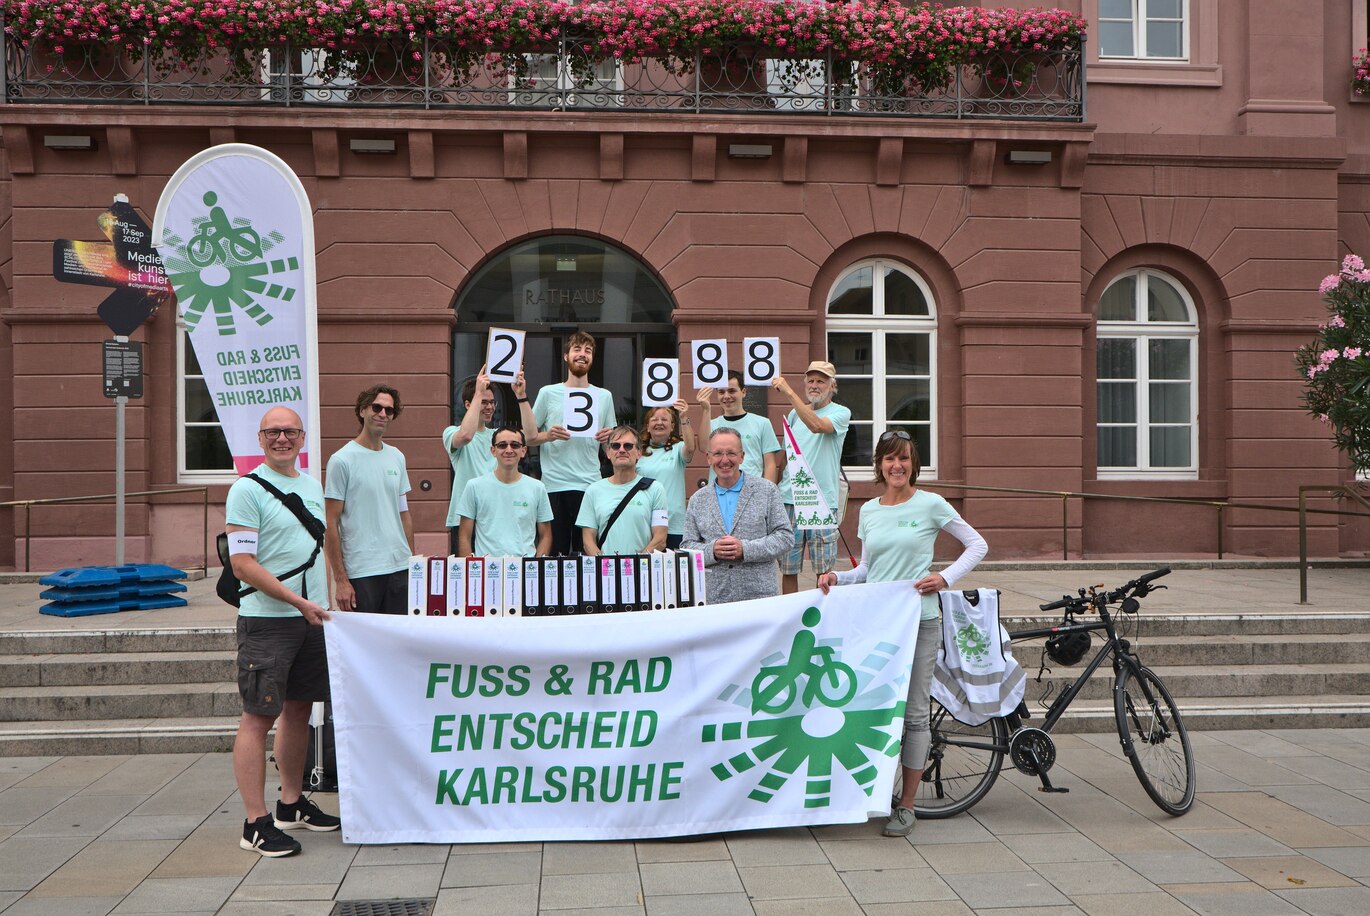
[{"x": 95, "y": 691}]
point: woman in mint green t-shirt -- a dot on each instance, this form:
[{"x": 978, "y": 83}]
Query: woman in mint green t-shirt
[
  {"x": 897, "y": 533},
  {"x": 667, "y": 447}
]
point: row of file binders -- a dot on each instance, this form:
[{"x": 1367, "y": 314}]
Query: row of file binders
[{"x": 546, "y": 586}]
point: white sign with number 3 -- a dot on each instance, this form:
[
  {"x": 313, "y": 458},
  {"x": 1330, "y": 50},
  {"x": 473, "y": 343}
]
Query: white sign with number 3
[
  {"x": 710, "y": 362},
  {"x": 660, "y": 382},
  {"x": 504, "y": 355},
  {"x": 761, "y": 362},
  {"x": 580, "y": 412}
]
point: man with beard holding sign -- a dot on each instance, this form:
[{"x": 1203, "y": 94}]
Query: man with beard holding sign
[{"x": 569, "y": 464}]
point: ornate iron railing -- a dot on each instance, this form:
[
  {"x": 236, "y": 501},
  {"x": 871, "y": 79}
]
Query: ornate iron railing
[{"x": 1032, "y": 85}]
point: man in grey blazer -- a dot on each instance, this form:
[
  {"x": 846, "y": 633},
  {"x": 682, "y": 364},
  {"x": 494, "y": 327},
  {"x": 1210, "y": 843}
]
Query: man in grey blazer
[{"x": 739, "y": 522}]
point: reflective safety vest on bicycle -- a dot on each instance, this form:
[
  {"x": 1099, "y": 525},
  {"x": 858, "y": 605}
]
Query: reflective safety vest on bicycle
[{"x": 977, "y": 677}]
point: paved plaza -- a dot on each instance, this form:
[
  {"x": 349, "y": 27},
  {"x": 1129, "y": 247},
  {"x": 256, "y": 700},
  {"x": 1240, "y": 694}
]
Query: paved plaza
[{"x": 1281, "y": 825}]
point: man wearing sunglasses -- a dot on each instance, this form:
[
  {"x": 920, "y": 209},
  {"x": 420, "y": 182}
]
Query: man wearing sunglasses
[
  {"x": 505, "y": 513},
  {"x": 370, "y": 533},
  {"x": 639, "y": 526}
]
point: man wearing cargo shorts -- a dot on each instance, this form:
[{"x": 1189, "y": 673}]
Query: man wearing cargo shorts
[{"x": 282, "y": 665}]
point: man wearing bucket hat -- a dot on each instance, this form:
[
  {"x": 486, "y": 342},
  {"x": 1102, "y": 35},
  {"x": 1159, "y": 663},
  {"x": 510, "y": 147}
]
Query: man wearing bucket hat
[{"x": 819, "y": 426}]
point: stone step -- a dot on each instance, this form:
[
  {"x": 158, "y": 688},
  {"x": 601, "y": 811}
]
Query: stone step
[
  {"x": 83, "y": 669},
  {"x": 191, "y": 735},
  {"x": 118, "y": 701},
  {"x": 1152, "y": 623},
  {"x": 177, "y": 639},
  {"x": 1185, "y": 681},
  {"x": 1216, "y": 713},
  {"x": 1229, "y": 649}
]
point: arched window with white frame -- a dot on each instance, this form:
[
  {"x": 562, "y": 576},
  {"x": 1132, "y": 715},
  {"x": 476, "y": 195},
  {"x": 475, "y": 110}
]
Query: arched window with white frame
[
  {"x": 882, "y": 339},
  {"x": 1147, "y": 378}
]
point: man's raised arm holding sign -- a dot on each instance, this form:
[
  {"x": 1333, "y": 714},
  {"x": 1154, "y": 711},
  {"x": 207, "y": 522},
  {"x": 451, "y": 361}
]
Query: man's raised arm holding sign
[{"x": 569, "y": 420}]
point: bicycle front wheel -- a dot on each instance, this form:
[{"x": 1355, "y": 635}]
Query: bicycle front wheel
[
  {"x": 1155, "y": 739},
  {"x": 963, "y": 762}
]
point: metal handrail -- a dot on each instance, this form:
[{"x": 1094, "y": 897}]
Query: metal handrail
[
  {"x": 1340, "y": 490},
  {"x": 28, "y": 504}
]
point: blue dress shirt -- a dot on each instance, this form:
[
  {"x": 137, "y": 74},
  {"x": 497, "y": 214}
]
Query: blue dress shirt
[{"x": 727, "y": 500}]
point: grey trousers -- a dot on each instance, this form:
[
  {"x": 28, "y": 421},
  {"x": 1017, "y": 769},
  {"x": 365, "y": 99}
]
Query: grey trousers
[{"x": 917, "y": 737}]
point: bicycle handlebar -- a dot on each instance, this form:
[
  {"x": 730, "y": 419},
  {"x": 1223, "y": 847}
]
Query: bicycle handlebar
[{"x": 1137, "y": 586}]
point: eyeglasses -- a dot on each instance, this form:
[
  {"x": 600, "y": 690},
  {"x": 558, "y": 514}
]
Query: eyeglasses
[
  {"x": 387, "y": 409},
  {"x": 513, "y": 444},
  {"x": 889, "y": 434},
  {"x": 721, "y": 455},
  {"x": 274, "y": 433},
  {"x": 621, "y": 446}
]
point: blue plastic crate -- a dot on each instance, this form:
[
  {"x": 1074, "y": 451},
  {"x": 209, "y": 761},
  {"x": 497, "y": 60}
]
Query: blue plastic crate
[
  {"x": 90, "y": 608},
  {"x": 149, "y": 589},
  {"x": 95, "y": 576}
]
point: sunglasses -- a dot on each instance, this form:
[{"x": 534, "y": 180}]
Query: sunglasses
[
  {"x": 513, "y": 444},
  {"x": 291, "y": 434},
  {"x": 622, "y": 446},
  {"x": 895, "y": 434},
  {"x": 383, "y": 409}
]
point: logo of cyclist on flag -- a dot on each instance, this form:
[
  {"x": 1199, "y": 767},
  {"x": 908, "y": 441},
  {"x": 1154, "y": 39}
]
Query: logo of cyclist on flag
[
  {"x": 222, "y": 266},
  {"x": 811, "y": 708}
]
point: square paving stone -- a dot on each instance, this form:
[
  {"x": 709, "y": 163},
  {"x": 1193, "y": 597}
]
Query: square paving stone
[
  {"x": 300, "y": 908},
  {"x": 63, "y": 906},
  {"x": 885, "y": 852},
  {"x": 282, "y": 893},
  {"x": 666, "y": 879},
  {"x": 416, "y": 854},
  {"x": 779, "y": 847},
  {"x": 921, "y": 908},
  {"x": 1006, "y": 889},
  {"x": 105, "y": 868},
  {"x": 604, "y": 911},
  {"x": 1035, "y": 848},
  {"x": 952, "y": 830},
  {"x": 568, "y": 892},
  {"x": 516, "y": 900},
  {"x": 74, "y": 772},
  {"x": 652, "y": 851},
  {"x": 969, "y": 858},
  {"x": 1282, "y": 873},
  {"x": 1240, "y": 841},
  {"x": 20, "y": 805},
  {"x": 492, "y": 869},
  {"x": 1352, "y": 861},
  {"x": 824, "y": 906},
  {"x": 178, "y": 895},
  {"x": 1231, "y": 900},
  {"x": 792, "y": 882},
  {"x": 1331, "y": 901},
  {"x": 1154, "y": 904},
  {"x": 1190, "y": 867},
  {"x": 588, "y": 858},
  {"x": 897, "y": 885},
  {"x": 26, "y": 861},
  {"x": 388, "y": 882},
  {"x": 141, "y": 775},
  {"x": 483, "y": 849},
  {"x": 208, "y": 852},
  {"x": 1076, "y": 878},
  {"x": 316, "y": 864},
  {"x": 1281, "y": 821},
  {"x": 83, "y": 815},
  {"x": 154, "y": 827},
  {"x": 694, "y": 904},
  {"x": 1325, "y": 802}
]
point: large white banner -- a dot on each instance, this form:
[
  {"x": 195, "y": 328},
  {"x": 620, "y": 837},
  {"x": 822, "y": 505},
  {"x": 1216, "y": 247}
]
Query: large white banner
[
  {"x": 236, "y": 234},
  {"x": 770, "y": 713}
]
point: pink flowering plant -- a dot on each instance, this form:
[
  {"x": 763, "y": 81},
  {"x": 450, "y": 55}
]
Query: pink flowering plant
[
  {"x": 1360, "y": 67},
  {"x": 921, "y": 41},
  {"x": 1336, "y": 364}
]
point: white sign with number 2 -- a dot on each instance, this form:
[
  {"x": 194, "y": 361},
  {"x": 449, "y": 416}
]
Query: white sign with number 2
[
  {"x": 580, "y": 412},
  {"x": 660, "y": 382},
  {"x": 504, "y": 355},
  {"x": 761, "y": 360},
  {"x": 711, "y": 362}
]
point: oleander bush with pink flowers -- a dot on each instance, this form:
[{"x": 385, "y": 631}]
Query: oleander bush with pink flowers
[
  {"x": 1336, "y": 364},
  {"x": 1360, "y": 66},
  {"x": 922, "y": 41}
]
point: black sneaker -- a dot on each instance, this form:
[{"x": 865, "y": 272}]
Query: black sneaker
[
  {"x": 304, "y": 813},
  {"x": 262, "y": 837}
]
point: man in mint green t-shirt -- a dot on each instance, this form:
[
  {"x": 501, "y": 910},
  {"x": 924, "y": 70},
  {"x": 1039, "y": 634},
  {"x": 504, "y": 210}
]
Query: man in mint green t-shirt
[
  {"x": 819, "y": 426},
  {"x": 569, "y": 463},
  {"x": 371, "y": 536},
  {"x": 282, "y": 660},
  {"x": 641, "y": 526},
  {"x": 505, "y": 513},
  {"x": 468, "y": 445},
  {"x": 759, "y": 442}
]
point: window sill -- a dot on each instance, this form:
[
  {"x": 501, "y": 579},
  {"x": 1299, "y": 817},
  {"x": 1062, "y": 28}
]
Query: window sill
[
  {"x": 1123, "y": 474},
  {"x": 206, "y": 479},
  {"x": 1154, "y": 73}
]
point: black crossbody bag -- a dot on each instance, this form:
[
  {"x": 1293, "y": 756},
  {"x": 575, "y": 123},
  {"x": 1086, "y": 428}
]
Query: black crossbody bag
[
  {"x": 642, "y": 484},
  {"x": 230, "y": 589}
]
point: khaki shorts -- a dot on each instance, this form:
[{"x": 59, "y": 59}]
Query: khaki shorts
[{"x": 279, "y": 659}]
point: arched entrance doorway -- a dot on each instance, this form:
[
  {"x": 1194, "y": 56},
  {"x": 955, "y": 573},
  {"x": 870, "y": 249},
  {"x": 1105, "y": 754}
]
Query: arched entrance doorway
[{"x": 549, "y": 286}]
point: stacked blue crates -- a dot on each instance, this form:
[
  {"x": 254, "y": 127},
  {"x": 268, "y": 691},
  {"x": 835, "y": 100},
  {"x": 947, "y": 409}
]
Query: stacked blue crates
[{"x": 86, "y": 590}]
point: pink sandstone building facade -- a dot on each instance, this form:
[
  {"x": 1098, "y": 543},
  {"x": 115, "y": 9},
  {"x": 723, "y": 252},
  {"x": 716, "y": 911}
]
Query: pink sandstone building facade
[{"x": 1102, "y": 304}]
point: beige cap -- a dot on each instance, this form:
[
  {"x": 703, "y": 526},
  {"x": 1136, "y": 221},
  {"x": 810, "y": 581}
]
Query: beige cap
[{"x": 823, "y": 366}]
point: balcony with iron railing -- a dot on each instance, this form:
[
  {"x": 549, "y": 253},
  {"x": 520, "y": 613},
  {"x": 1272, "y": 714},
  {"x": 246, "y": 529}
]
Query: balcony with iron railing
[{"x": 564, "y": 74}]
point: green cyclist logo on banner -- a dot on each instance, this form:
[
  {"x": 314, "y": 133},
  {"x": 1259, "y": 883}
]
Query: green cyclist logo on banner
[
  {"x": 810, "y": 708},
  {"x": 222, "y": 266}
]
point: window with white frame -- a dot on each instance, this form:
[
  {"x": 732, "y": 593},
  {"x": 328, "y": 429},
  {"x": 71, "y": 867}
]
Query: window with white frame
[
  {"x": 1144, "y": 29},
  {"x": 1146, "y": 370},
  {"x": 201, "y": 448},
  {"x": 882, "y": 336}
]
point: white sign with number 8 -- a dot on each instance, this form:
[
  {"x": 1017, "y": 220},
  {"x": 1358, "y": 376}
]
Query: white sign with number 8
[
  {"x": 660, "y": 382},
  {"x": 762, "y": 360},
  {"x": 580, "y": 412},
  {"x": 711, "y": 362}
]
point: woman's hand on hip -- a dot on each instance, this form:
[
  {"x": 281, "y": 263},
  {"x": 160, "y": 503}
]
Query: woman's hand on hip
[{"x": 931, "y": 584}]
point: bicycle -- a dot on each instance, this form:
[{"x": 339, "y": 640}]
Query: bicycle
[{"x": 964, "y": 761}]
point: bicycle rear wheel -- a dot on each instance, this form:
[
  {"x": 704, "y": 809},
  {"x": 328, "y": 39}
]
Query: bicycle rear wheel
[
  {"x": 1155, "y": 739},
  {"x": 963, "y": 763}
]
